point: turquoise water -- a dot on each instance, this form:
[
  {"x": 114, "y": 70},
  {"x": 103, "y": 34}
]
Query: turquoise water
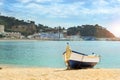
[{"x": 49, "y": 53}]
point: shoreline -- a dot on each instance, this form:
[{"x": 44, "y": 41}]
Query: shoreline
[
  {"x": 20, "y": 40},
  {"x": 49, "y": 40},
  {"x": 36, "y": 73}
]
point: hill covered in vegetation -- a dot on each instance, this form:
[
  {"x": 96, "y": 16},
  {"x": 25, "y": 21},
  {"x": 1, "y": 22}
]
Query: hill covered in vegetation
[
  {"x": 29, "y": 27},
  {"x": 15, "y": 25},
  {"x": 90, "y": 30},
  {"x": 25, "y": 27}
]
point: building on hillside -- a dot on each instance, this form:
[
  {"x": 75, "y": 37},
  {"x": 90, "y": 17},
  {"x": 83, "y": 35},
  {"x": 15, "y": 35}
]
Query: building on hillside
[
  {"x": 2, "y": 28},
  {"x": 46, "y": 36},
  {"x": 34, "y": 36},
  {"x": 74, "y": 38},
  {"x": 52, "y": 36},
  {"x": 89, "y": 38},
  {"x": 13, "y": 35}
]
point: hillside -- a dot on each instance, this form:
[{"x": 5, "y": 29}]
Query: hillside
[
  {"x": 29, "y": 27},
  {"x": 25, "y": 27},
  {"x": 90, "y": 30},
  {"x": 14, "y": 25}
]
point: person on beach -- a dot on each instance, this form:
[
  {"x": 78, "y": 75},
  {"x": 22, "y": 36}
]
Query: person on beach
[{"x": 67, "y": 55}]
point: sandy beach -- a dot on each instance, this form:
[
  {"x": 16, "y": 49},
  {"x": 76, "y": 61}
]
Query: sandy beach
[{"x": 58, "y": 74}]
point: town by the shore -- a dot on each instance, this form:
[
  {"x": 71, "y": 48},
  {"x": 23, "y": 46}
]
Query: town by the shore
[{"x": 14, "y": 73}]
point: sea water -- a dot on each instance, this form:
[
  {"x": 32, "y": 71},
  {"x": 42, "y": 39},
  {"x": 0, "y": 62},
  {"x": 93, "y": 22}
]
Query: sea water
[{"x": 50, "y": 53}]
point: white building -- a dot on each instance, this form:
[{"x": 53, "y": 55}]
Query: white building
[
  {"x": 1, "y": 28},
  {"x": 13, "y": 35}
]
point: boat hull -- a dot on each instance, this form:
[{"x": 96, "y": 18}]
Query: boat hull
[
  {"x": 81, "y": 65},
  {"x": 81, "y": 61}
]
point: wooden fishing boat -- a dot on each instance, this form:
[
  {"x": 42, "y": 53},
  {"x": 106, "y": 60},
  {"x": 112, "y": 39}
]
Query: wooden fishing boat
[{"x": 77, "y": 60}]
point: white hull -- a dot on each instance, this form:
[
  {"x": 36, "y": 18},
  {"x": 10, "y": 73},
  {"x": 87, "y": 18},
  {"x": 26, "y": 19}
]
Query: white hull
[
  {"x": 78, "y": 60},
  {"x": 84, "y": 58}
]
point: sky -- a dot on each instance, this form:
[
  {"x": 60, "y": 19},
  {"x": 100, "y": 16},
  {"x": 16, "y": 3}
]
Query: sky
[{"x": 66, "y": 13}]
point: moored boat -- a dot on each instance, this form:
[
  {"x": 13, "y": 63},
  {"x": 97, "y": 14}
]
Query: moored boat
[{"x": 77, "y": 60}]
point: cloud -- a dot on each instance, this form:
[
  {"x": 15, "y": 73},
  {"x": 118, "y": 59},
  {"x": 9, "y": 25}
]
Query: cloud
[
  {"x": 43, "y": 1},
  {"x": 100, "y": 3},
  {"x": 1, "y": 2},
  {"x": 79, "y": 10},
  {"x": 1, "y": 5},
  {"x": 24, "y": 1},
  {"x": 103, "y": 7},
  {"x": 40, "y": 1},
  {"x": 61, "y": 9},
  {"x": 53, "y": 9},
  {"x": 73, "y": 9}
]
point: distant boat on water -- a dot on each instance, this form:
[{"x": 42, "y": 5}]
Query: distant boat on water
[{"x": 77, "y": 60}]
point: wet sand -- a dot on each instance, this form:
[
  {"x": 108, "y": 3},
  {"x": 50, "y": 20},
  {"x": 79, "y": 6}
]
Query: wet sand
[{"x": 58, "y": 74}]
